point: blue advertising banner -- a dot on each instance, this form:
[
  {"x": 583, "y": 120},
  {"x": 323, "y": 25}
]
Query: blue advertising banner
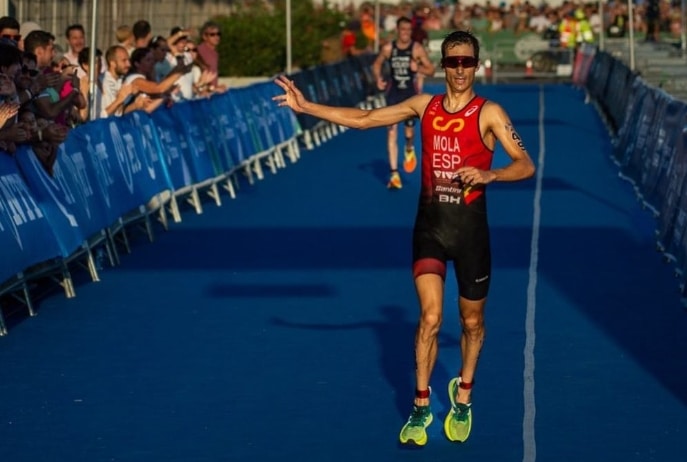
[
  {"x": 26, "y": 235},
  {"x": 660, "y": 158},
  {"x": 231, "y": 128},
  {"x": 673, "y": 190},
  {"x": 251, "y": 114},
  {"x": 673, "y": 218},
  {"x": 638, "y": 145},
  {"x": 305, "y": 81},
  {"x": 193, "y": 145},
  {"x": 627, "y": 131},
  {"x": 148, "y": 142},
  {"x": 128, "y": 175},
  {"x": 171, "y": 144},
  {"x": 288, "y": 124},
  {"x": 62, "y": 204}
]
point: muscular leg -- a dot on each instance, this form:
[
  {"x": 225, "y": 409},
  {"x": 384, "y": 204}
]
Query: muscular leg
[
  {"x": 471, "y": 340},
  {"x": 430, "y": 291},
  {"x": 392, "y": 144}
]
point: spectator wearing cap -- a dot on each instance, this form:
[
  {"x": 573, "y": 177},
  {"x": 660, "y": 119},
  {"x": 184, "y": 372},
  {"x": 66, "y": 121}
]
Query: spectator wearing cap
[
  {"x": 9, "y": 29},
  {"x": 207, "y": 50}
]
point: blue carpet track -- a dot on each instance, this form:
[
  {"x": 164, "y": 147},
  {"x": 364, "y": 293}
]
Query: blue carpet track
[{"x": 280, "y": 325}]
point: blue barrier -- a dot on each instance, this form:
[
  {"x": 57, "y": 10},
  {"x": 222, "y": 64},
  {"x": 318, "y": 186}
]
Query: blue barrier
[
  {"x": 26, "y": 235},
  {"x": 115, "y": 170},
  {"x": 649, "y": 130}
]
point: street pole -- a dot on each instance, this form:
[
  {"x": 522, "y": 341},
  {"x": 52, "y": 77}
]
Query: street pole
[
  {"x": 91, "y": 60},
  {"x": 288, "y": 36},
  {"x": 631, "y": 25}
]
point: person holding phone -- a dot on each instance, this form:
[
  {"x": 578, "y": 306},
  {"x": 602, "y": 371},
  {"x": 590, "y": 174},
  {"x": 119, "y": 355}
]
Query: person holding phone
[{"x": 451, "y": 220}]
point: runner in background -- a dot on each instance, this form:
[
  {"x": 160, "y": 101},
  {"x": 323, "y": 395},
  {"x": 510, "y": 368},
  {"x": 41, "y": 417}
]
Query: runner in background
[{"x": 406, "y": 60}]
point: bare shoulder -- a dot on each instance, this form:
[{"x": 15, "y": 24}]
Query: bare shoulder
[
  {"x": 419, "y": 102},
  {"x": 493, "y": 112}
]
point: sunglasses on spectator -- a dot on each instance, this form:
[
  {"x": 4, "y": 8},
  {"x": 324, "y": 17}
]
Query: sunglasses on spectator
[
  {"x": 191, "y": 49},
  {"x": 453, "y": 62},
  {"x": 214, "y": 34},
  {"x": 16, "y": 37},
  {"x": 31, "y": 72}
]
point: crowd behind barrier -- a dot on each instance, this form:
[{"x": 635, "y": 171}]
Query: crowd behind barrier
[
  {"x": 118, "y": 174},
  {"x": 649, "y": 133}
]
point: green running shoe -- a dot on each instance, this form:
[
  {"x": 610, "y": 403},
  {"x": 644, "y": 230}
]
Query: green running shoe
[
  {"x": 413, "y": 432},
  {"x": 459, "y": 419}
]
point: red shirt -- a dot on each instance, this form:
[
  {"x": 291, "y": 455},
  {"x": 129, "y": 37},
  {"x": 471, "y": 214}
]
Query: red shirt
[
  {"x": 449, "y": 142},
  {"x": 211, "y": 58}
]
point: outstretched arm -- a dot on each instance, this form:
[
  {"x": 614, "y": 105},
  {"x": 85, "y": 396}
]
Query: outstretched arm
[{"x": 348, "y": 116}]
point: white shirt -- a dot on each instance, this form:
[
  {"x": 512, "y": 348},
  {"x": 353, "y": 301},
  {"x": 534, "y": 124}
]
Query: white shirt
[{"x": 111, "y": 87}]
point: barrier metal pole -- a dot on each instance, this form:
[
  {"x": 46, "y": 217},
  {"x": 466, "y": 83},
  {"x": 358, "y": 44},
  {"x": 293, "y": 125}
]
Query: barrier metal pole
[
  {"x": 602, "y": 43},
  {"x": 377, "y": 13},
  {"x": 91, "y": 62},
  {"x": 288, "y": 36},
  {"x": 683, "y": 31},
  {"x": 631, "y": 24}
]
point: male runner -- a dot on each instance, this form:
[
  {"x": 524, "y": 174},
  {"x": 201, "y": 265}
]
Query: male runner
[
  {"x": 459, "y": 133},
  {"x": 406, "y": 59}
]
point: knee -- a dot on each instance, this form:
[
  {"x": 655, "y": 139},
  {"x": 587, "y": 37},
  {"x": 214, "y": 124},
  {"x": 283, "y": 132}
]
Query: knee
[
  {"x": 430, "y": 323},
  {"x": 473, "y": 324}
]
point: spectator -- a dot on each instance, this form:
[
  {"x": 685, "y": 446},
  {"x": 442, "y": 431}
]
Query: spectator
[
  {"x": 9, "y": 29},
  {"x": 149, "y": 93},
  {"x": 125, "y": 37},
  {"x": 207, "y": 50},
  {"x": 115, "y": 94},
  {"x": 76, "y": 41},
  {"x": 202, "y": 75},
  {"x": 85, "y": 85},
  {"x": 10, "y": 65},
  {"x": 178, "y": 57},
  {"x": 142, "y": 33},
  {"x": 55, "y": 102}
]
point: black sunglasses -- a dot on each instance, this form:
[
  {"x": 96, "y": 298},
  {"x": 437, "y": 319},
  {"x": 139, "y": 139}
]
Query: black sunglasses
[
  {"x": 453, "y": 62},
  {"x": 15, "y": 37},
  {"x": 214, "y": 34},
  {"x": 31, "y": 72}
]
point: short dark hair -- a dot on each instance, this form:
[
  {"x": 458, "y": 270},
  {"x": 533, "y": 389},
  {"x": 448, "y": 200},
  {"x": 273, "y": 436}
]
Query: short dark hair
[
  {"x": 85, "y": 55},
  {"x": 138, "y": 54},
  {"x": 8, "y": 22},
  {"x": 72, "y": 27},
  {"x": 36, "y": 39},
  {"x": 459, "y": 37},
  {"x": 141, "y": 29}
]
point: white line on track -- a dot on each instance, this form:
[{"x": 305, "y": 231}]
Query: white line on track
[{"x": 528, "y": 432}]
